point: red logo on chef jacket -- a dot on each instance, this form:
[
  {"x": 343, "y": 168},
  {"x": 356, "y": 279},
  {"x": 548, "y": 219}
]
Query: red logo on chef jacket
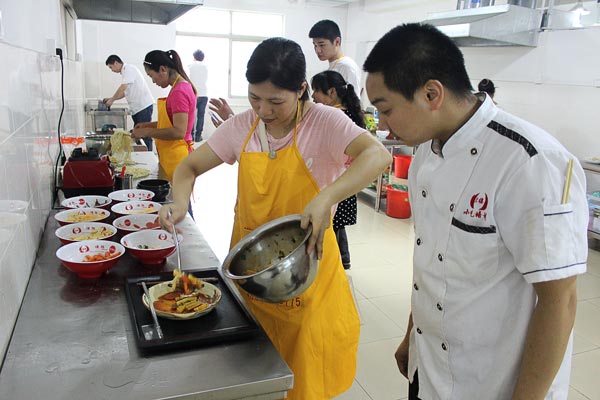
[{"x": 478, "y": 206}]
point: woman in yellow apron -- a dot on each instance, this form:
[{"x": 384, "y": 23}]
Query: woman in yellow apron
[
  {"x": 288, "y": 164},
  {"x": 176, "y": 113}
]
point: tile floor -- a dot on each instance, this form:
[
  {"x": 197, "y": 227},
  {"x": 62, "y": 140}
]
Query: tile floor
[{"x": 381, "y": 250}]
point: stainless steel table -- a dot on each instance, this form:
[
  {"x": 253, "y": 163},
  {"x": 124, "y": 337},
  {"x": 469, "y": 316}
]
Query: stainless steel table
[{"x": 73, "y": 340}]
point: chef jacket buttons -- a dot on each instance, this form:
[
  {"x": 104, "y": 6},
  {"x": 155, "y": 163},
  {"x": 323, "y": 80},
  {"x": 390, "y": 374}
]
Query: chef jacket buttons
[
  {"x": 439, "y": 307},
  {"x": 424, "y": 193},
  {"x": 418, "y": 241},
  {"x": 444, "y": 347},
  {"x": 440, "y": 257},
  {"x": 419, "y": 331},
  {"x": 416, "y": 286},
  {"x": 452, "y": 207},
  {"x": 473, "y": 151}
]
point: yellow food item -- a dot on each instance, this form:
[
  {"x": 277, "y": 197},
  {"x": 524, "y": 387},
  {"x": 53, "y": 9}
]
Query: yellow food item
[
  {"x": 84, "y": 217},
  {"x": 146, "y": 211},
  {"x": 138, "y": 172},
  {"x": 120, "y": 144},
  {"x": 100, "y": 233}
]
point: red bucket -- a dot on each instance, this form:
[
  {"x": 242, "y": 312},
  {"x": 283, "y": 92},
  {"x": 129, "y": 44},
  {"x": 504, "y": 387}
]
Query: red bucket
[
  {"x": 397, "y": 203},
  {"x": 401, "y": 164}
]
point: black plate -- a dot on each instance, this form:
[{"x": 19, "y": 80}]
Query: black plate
[{"x": 228, "y": 321}]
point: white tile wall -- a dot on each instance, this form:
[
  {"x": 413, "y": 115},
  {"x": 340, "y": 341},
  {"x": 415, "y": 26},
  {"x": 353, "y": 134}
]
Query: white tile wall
[{"x": 30, "y": 104}]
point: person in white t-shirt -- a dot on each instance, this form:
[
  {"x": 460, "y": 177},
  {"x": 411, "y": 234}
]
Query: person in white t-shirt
[
  {"x": 327, "y": 41},
  {"x": 199, "y": 77},
  {"x": 135, "y": 90},
  {"x": 500, "y": 219}
]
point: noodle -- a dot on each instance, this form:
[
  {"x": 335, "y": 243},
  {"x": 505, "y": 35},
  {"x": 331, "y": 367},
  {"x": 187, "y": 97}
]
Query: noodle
[{"x": 120, "y": 144}]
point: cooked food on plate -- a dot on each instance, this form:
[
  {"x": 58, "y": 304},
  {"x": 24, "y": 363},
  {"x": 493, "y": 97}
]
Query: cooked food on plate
[{"x": 186, "y": 296}]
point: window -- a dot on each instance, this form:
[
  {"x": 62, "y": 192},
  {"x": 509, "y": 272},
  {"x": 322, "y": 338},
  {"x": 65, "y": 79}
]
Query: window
[{"x": 227, "y": 39}]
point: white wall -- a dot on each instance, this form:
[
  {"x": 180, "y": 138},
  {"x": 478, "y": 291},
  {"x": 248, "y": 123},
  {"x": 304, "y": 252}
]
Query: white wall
[
  {"x": 29, "y": 110},
  {"x": 132, "y": 41},
  {"x": 555, "y": 85}
]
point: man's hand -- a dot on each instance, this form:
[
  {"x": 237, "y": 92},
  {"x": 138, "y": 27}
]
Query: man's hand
[
  {"x": 108, "y": 101},
  {"x": 402, "y": 356}
]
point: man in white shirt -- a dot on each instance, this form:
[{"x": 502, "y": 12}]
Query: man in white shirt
[
  {"x": 199, "y": 77},
  {"x": 327, "y": 41},
  {"x": 135, "y": 89},
  {"x": 500, "y": 219}
]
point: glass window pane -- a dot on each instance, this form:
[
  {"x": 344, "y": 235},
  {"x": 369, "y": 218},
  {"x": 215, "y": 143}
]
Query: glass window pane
[
  {"x": 240, "y": 54},
  {"x": 257, "y": 24},
  {"x": 216, "y": 58},
  {"x": 202, "y": 20}
]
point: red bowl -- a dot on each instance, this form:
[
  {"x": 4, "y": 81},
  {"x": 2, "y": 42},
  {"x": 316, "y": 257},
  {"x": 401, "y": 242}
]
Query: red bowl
[
  {"x": 84, "y": 214},
  {"x": 150, "y": 246},
  {"x": 73, "y": 255},
  {"x": 77, "y": 232}
]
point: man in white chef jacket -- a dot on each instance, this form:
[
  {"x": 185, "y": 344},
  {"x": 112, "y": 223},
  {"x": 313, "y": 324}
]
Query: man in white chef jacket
[{"x": 497, "y": 245}]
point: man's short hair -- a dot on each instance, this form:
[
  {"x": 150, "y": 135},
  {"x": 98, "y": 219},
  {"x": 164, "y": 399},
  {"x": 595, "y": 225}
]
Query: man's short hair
[
  {"x": 411, "y": 54},
  {"x": 113, "y": 58},
  {"x": 199, "y": 55},
  {"x": 326, "y": 29}
]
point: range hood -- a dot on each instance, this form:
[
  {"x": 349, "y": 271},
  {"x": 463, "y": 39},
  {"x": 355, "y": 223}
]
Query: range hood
[
  {"x": 142, "y": 11},
  {"x": 501, "y": 25}
]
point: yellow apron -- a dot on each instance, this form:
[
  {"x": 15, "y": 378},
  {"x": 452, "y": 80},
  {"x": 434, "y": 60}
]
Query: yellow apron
[
  {"x": 317, "y": 332},
  {"x": 170, "y": 152}
]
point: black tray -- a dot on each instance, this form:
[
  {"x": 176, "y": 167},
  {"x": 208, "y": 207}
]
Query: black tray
[{"x": 228, "y": 321}]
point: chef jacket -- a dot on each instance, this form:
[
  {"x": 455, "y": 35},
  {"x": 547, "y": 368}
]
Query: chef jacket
[{"x": 488, "y": 224}]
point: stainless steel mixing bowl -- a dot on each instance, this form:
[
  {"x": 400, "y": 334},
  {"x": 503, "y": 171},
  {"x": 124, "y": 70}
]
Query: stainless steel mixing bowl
[
  {"x": 271, "y": 262},
  {"x": 100, "y": 142}
]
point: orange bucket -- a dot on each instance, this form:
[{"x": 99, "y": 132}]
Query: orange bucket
[
  {"x": 397, "y": 203},
  {"x": 401, "y": 164}
]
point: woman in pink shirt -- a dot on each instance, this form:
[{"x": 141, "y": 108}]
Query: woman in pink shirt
[
  {"x": 292, "y": 154},
  {"x": 176, "y": 113}
]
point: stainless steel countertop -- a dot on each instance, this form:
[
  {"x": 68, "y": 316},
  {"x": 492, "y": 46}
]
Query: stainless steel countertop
[{"x": 73, "y": 340}]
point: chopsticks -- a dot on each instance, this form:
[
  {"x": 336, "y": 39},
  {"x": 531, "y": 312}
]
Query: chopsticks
[
  {"x": 567, "y": 187},
  {"x": 208, "y": 279}
]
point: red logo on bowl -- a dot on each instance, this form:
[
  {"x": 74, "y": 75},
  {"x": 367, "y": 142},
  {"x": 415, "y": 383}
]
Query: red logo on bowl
[
  {"x": 81, "y": 201},
  {"x": 162, "y": 236},
  {"x": 127, "y": 222},
  {"x": 131, "y": 195},
  {"x": 112, "y": 249},
  {"x": 76, "y": 230},
  {"x": 84, "y": 249},
  {"x": 128, "y": 207}
]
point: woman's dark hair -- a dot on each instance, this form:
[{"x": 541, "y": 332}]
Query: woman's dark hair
[
  {"x": 113, "y": 58},
  {"x": 411, "y": 54},
  {"x": 326, "y": 80},
  {"x": 326, "y": 29},
  {"x": 486, "y": 85},
  {"x": 170, "y": 59},
  {"x": 279, "y": 61}
]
